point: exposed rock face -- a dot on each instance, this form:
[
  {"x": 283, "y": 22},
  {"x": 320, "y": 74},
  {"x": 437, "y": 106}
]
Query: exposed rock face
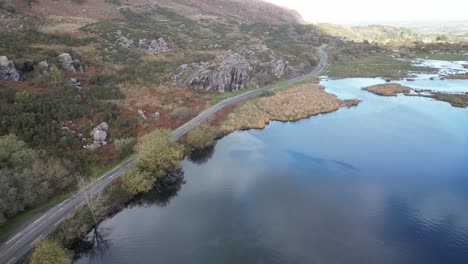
[
  {"x": 124, "y": 41},
  {"x": 69, "y": 64},
  {"x": 155, "y": 115},
  {"x": 148, "y": 46},
  {"x": 141, "y": 113},
  {"x": 153, "y": 47},
  {"x": 8, "y": 71},
  {"x": 66, "y": 62},
  {"x": 76, "y": 83},
  {"x": 234, "y": 71},
  {"x": 44, "y": 67},
  {"x": 99, "y": 135},
  {"x": 229, "y": 72}
]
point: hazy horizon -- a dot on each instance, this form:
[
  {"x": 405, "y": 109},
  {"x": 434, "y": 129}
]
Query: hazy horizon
[{"x": 369, "y": 12}]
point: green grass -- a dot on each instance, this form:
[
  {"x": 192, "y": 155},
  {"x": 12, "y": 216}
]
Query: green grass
[
  {"x": 444, "y": 56},
  {"x": 20, "y": 218},
  {"x": 374, "y": 66}
]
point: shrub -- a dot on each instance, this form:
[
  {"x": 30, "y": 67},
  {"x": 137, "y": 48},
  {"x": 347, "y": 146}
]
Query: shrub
[
  {"x": 157, "y": 155},
  {"x": 7, "y": 7},
  {"x": 124, "y": 145},
  {"x": 202, "y": 136},
  {"x": 267, "y": 93},
  {"x": 180, "y": 113},
  {"x": 104, "y": 79},
  {"x": 48, "y": 251},
  {"x": 106, "y": 93},
  {"x": 136, "y": 182},
  {"x": 115, "y": 2}
]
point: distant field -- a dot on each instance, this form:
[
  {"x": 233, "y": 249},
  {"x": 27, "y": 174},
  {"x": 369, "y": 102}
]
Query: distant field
[
  {"x": 445, "y": 57},
  {"x": 374, "y": 66}
]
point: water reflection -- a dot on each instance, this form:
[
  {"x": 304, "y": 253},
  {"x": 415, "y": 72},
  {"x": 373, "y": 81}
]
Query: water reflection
[
  {"x": 201, "y": 156},
  {"x": 165, "y": 190},
  {"x": 384, "y": 182},
  {"x": 97, "y": 242}
]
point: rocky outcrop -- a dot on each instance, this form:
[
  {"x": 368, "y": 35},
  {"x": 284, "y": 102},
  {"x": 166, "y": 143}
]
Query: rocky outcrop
[
  {"x": 154, "y": 46},
  {"x": 44, "y": 67},
  {"x": 233, "y": 71},
  {"x": 99, "y": 135},
  {"x": 8, "y": 71},
  {"x": 141, "y": 113},
  {"x": 123, "y": 41},
  {"x": 228, "y": 73},
  {"x": 75, "y": 83},
  {"x": 68, "y": 63},
  {"x": 147, "y": 46}
]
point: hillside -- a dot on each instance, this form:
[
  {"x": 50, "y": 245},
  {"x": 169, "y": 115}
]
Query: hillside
[
  {"x": 82, "y": 80},
  {"x": 372, "y": 33}
]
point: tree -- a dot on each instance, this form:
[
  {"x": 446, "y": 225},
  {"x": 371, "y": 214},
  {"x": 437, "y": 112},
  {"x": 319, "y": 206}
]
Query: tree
[
  {"x": 49, "y": 252},
  {"x": 157, "y": 155},
  {"x": 95, "y": 201},
  {"x": 123, "y": 145},
  {"x": 136, "y": 182},
  {"x": 202, "y": 136},
  {"x": 27, "y": 177}
]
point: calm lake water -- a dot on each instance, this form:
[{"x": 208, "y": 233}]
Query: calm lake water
[{"x": 384, "y": 182}]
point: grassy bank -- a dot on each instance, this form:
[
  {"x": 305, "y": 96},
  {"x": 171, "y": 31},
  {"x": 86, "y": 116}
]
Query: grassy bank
[
  {"x": 392, "y": 89},
  {"x": 374, "y": 66},
  {"x": 305, "y": 100},
  {"x": 456, "y": 100}
]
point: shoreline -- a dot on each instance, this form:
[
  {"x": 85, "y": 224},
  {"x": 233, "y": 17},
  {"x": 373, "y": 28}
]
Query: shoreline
[
  {"x": 288, "y": 105},
  {"x": 459, "y": 100}
]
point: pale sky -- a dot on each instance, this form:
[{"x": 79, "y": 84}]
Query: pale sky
[{"x": 351, "y": 11}]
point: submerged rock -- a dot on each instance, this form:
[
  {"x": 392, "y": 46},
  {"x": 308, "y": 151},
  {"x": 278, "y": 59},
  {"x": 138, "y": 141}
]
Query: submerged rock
[{"x": 8, "y": 71}]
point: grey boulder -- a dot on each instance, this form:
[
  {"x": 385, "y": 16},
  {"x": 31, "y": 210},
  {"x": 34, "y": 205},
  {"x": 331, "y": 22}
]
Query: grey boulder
[{"x": 8, "y": 71}]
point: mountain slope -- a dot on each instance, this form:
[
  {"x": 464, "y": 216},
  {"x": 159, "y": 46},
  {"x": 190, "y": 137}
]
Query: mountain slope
[{"x": 82, "y": 80}]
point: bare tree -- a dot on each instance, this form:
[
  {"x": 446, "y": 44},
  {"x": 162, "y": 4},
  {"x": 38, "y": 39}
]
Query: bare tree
[{"x": 94, "y": 201}]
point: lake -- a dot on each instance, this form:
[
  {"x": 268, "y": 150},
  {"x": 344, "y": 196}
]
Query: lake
[{"x": 383, "y": 182}]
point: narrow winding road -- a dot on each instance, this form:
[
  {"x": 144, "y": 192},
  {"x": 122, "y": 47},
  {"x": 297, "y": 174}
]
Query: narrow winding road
[{"x": 43, "y": 224}]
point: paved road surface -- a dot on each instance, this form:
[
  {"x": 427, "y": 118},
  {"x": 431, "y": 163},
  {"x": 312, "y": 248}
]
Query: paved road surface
[{"x": 33, "y": 230}]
